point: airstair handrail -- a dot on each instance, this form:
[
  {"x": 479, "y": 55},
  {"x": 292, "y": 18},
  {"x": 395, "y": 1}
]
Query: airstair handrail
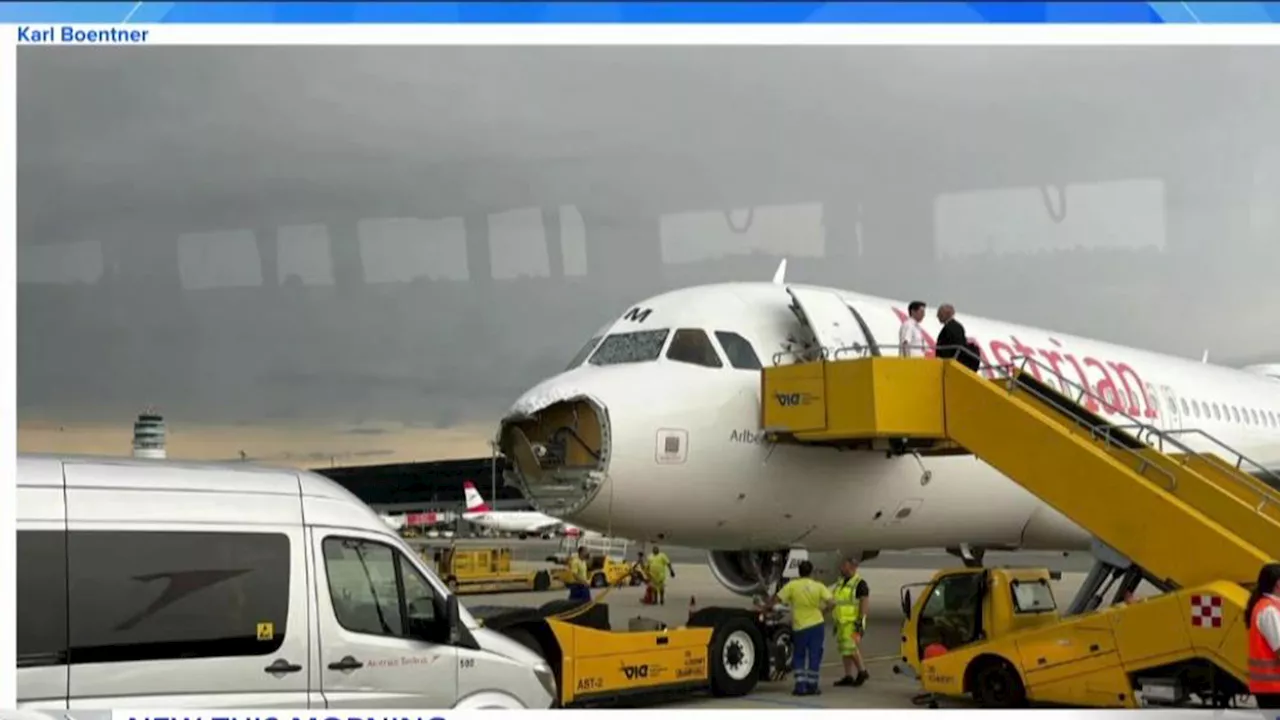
[
  {"x": 1163, "y": 436},
  {"x": 1240, "y": 457},
  {"x": 1094, "y": 431}
]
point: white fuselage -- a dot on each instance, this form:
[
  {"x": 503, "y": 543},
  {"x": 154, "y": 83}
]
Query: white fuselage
[
  {"x": 513, "y": 521},
  {"x": 725, "y": 488}
]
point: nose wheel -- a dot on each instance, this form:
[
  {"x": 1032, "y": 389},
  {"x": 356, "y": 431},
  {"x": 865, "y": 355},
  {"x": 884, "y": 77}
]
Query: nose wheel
[{"x": 780, "y": 654}]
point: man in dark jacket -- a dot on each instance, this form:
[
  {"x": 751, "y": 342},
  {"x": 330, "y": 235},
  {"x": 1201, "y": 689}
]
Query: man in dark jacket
[
  {"x": 951, "y": 338},
  {"x": 953, "y": 343}
]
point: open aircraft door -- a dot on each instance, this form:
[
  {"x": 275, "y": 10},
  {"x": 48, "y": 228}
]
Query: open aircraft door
[{"x": 833, "y": 324}]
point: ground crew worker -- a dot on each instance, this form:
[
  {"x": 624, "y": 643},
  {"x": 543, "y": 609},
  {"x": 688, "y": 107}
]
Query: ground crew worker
[
  {"x": 851, "y": 595},
  {"x": 808, "y": 599},
  {"x": 1262, "y": 617},
  {"x": 659, "y": 567},
  {"x": 579, "y": 585}
]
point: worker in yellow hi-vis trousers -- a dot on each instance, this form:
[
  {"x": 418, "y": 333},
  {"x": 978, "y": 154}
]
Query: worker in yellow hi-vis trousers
[
  {"x": 850, "y": 614},
  {"x": 659, "y": 567}
]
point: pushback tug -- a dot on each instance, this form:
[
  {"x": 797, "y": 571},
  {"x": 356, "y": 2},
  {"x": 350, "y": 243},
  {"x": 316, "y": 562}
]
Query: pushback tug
[
  {"x": 1194, "y": 526},
  {"x": 726, "y": 651}
]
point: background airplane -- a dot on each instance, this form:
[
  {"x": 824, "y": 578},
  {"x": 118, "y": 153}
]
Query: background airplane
[
  {"x": 653, "y": 432},
  {"x": 520, "y": 523}
]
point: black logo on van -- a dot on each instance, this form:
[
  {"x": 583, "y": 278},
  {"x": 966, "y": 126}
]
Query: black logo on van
[
  {"x": 637, "y": 314},
  {"x": 635, "y": 671}
]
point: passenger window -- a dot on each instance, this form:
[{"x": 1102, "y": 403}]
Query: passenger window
[
  {"x": 1185, "y": 410},
  {"x": 1253, "y": 415},
  {"x": 739, "y": 351},
  {"x": 362, "y": 585},
  {"x": 951, "y": 617},
  {"x": 376, "y": 591},
  {"x": 419, "y": 601},
  {"x": 1235, "y": 412},
  {"x": 1217, "y": 415},
  {"x": 176, "y": 595},
  {"x": 693, "y": 347},
  {"x": 1195, "y": 408},
  {"x": 1032, "y": 597},
  {"x": 41, "y": 591}
]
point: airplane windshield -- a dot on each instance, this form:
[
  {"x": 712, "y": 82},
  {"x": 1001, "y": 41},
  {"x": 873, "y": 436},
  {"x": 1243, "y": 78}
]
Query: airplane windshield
[
  {"x": 632, "y": 347},
  {"x": 581, "y": 357}
]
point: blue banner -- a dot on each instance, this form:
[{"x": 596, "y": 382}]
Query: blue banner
[{"x": 638, "y": 11}]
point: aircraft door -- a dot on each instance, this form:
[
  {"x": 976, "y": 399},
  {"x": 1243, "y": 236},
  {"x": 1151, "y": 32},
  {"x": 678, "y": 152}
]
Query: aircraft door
[{"x": 831, "y": 321}]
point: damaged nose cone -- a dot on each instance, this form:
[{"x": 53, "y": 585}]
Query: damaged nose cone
[{"x": 558, "y": 452}]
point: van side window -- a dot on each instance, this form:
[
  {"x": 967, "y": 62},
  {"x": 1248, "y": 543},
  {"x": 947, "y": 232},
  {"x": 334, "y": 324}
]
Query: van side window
[
  {"x": 376, "y": 591},
  {"x": 694, "y": 347},
  {"x": 41, "y": 591},
  {"x": 176, "y": 595},
  {"x": 739, "y": 351}
]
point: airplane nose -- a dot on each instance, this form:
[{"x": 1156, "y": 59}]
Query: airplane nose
[{"x": 556, "y": 442}]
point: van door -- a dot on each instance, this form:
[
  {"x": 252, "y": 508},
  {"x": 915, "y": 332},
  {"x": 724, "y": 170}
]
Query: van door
[
  {"x": 164, "y": 613},
  {"x": 383, "y": 630},
  {"x": 40, "y": 589},
  {"x": 831, "y": 320}
]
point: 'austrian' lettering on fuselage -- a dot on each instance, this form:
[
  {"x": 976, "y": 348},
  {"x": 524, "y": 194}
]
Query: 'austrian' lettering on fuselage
[{"x": 1130, "y": 386}]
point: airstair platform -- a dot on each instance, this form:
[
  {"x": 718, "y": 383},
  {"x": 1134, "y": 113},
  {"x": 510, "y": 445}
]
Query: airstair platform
[{"x": 1192, "y": 523}]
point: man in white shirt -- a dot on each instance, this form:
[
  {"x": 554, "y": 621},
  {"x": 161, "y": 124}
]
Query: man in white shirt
[{"x": 911, "y": 340}]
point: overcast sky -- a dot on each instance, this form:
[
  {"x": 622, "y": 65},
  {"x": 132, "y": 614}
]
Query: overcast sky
[{"x": 203, "y": 149}]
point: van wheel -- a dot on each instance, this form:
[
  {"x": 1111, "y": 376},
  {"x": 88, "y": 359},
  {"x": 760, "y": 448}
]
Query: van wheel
[
  {"x": 541, "y": 581},
  {"x": 598, "y": 581},
  {"x": 734, "y": 657},
  {"x": 997, "y": 685}
]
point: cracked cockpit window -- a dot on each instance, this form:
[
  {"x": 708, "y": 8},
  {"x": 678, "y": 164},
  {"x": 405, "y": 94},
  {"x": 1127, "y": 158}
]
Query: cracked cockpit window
[{"x": 632, "y": 347}]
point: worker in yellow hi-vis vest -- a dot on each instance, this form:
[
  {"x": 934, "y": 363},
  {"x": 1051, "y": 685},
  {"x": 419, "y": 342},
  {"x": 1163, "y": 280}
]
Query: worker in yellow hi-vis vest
[
  {"x": 850, "y": 614},
  {"x": 578, "y": 583},
  {"x": 659, "y": 567},
  {"x": 808, "y": 599}
]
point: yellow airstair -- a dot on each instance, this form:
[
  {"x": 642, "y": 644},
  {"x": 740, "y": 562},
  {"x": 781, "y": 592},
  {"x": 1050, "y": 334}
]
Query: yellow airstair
[{"x": 1192, "y": 525}]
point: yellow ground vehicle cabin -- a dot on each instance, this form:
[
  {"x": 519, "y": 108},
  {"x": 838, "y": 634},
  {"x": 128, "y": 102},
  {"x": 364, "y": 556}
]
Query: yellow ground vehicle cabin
[
  {"x": 484, "y": 570},
  {"x": 1139, "y": 490}
]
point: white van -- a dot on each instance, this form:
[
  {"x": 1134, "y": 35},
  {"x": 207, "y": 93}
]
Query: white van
[{"x": 154, "y": 583}]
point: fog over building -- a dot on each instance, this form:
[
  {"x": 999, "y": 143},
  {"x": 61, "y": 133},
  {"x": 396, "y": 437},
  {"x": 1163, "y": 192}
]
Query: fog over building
[{"x": 296, "y": 234}]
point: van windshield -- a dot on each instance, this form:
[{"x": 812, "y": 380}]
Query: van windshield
[{"x": 632, "y": 347}]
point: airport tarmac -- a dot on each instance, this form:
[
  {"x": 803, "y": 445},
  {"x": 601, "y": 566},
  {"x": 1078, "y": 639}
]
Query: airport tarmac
[
  {"x": 880, "y": 646},
  {"x": 536, "y": 551}
]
